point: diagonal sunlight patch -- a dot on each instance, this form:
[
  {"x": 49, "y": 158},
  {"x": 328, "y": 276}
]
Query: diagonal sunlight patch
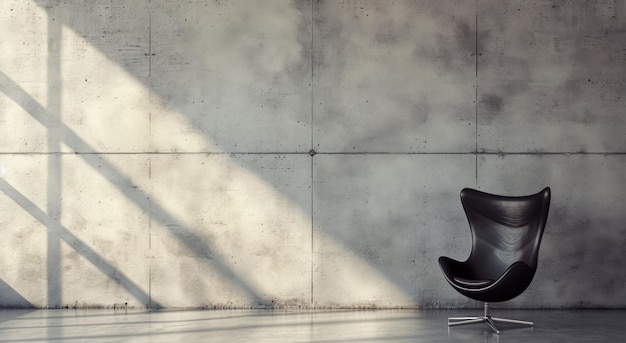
[
  {"x": 217, "y": 228},
  {"x": 20, "y": 132},
  {"x": 208, "y": 229},
  {"x": 106, "y": 107},
  {"x": 189, "y": 237},
  {"x": 253, "y": 229}
]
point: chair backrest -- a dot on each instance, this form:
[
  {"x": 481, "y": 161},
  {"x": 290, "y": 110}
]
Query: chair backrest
[{"x": 504, "y": 229}]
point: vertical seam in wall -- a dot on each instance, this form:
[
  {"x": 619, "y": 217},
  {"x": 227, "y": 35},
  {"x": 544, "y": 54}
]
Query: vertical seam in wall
[
  {"x": 150, "y": 255},
  {"x": 150, "y": 259},
  {"x": 312, "y": 234},
  {"x": 150, "y": 75},
  {"x": 150, "y": 41},
  {"x": 476, "y": 101},
  {"x": 312, "y": 54},
  {"x": 311, "y": 154}
]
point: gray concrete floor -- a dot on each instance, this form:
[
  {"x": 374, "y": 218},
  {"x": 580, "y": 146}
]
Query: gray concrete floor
[{"x": 303, "y": 326}]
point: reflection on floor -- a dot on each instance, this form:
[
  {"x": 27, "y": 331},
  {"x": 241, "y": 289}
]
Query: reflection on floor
[{"x": 303, "y": 326}]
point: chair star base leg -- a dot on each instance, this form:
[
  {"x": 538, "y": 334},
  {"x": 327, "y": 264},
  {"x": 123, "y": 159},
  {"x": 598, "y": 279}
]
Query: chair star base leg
[
  {"x": 487, "y": 319},
  {"x": 512, "y": 321},
  {"x": 490, "y": 321},
  {"x": 465, "y": 320}
]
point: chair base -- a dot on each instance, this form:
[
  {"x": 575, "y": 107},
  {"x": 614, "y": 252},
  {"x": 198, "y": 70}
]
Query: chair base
[{"x": 487, "y": 319}]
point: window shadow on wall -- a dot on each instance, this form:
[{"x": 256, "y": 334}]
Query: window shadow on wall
[
  {"x": 11, "y": 298},
  {"x": 131, "y": 191},
  {"x": 133, "y": 62}
]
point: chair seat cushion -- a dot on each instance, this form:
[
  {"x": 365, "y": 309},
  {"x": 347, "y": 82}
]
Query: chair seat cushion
[{"x": 473, "y": 283}]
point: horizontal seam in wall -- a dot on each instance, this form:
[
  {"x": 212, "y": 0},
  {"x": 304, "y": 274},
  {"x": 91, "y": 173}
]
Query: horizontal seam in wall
[
  {"x": 467, "y": 153},
  {"x": 316, "y": 153}
]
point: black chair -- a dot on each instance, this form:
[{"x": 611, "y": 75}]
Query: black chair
[{"x": 506, "y": 234}]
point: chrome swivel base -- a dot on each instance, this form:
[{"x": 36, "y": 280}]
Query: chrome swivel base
[{"x": 487, "y": 319}]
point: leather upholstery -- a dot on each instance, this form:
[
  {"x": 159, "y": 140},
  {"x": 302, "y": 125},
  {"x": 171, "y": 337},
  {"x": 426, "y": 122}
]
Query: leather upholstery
[{"x": 506, "y": 235}]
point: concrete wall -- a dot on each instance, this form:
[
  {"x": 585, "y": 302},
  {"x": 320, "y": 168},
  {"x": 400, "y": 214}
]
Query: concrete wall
[{"x": 303, "y": 153}]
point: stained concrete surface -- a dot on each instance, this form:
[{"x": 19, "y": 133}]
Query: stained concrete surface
[
  {"x": 586, "y": 227},
  {"x": 550, "y": 76},
  {"x": 384, "y": 83},
  {"x": 198, "y": 154},
  {"x": 350, "y": 190}
]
